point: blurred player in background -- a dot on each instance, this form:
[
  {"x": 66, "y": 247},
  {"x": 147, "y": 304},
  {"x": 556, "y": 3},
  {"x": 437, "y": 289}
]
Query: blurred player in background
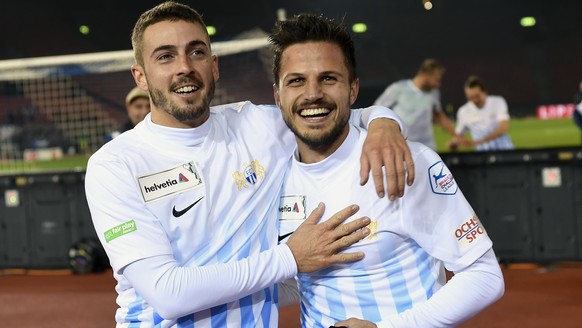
[
  {"x": 417, "y": 101},
  {"x": 485, "y": 116}
]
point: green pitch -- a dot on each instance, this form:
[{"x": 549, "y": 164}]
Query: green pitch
[
  {"x": 530, "y": 133},
  {"x": 526, "y": 134}
]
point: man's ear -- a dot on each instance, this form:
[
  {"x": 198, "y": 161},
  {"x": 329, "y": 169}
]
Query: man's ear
[
  {"x": 276, "y": 95},
  {"x": 354, "y": 89},
  {"x": 139, "y": 77},
  {"x": 215, "y": 71}
]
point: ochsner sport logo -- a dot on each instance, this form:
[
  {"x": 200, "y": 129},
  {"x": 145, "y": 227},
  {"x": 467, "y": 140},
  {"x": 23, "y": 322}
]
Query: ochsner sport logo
[
  {"x": 468, "y": 232},
  {"x": 441, "y": 179}
]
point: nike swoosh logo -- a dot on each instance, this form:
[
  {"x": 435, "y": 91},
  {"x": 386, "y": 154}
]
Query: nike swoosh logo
[
  {"x": 284, "y": 236},
  {"x": 178, "y": 214}
]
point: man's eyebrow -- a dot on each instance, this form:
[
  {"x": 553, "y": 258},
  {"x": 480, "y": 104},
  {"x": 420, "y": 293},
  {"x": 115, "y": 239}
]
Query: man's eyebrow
[{"x": 192, "y": 43}]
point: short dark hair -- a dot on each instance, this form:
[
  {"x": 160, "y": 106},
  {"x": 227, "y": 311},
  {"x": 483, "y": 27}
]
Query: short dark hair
[
  {"x": 474, "y": 81},
  {"x": 165, "y": 11},
  {"x": 429, "y": 66},
  {"x": 311, "y": 28}
]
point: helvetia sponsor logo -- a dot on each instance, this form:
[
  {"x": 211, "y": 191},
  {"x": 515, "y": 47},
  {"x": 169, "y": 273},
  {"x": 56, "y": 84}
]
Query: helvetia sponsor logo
[
  {"x": 155, "y": 186},
  {"x": 287, "y": 208}
]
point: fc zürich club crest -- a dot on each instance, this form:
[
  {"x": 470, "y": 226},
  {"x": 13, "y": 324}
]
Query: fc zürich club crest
[{"x": 251, "y": 173}]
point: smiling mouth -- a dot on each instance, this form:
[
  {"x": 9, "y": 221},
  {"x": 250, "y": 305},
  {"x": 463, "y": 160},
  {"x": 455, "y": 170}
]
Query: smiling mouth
[
  {"x": 186, "y": 89},
  {"x": 314, "y": 112}
]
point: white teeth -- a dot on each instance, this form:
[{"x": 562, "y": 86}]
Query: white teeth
[
  {"x": 314, "y": 111},
  {"x": 186, "y": 89}
]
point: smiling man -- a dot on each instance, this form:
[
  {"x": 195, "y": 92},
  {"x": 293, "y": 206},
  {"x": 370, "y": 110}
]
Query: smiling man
[
  {"x": 401, "y": 281},
  {"x": 185, "y": 203}
]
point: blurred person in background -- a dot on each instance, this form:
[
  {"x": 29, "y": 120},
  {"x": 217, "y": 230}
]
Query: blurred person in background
[
  {"x": 417, "y": 102},
  {"x": 137, "y": 104},
  {"x": 485, "y": 117}
]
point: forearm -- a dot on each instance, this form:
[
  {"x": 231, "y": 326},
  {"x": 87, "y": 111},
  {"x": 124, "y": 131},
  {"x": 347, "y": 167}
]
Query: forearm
[
  {"x": 501, "y": 129},
  {"x": 466, "y": 294},
  {"x": 368, "y": 114},
  {"x": 445, "y": 123},
  {"x": 175, "y": 291}
]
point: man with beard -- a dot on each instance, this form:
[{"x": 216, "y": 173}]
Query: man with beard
[
  {"x": 185, "y": 204},
  {"x": 401, "y": 281},
  {"x": 418, "y": 102}
]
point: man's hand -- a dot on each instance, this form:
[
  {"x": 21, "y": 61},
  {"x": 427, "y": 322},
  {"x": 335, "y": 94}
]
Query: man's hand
[
  {"x": 385, "y": 147},
  {"x": 316, "y": 246},
  {"x": 355, "y": 323}
]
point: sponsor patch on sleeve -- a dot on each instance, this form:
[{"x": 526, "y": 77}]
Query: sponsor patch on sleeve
[
  {"x": 120, "y": 230},
  {"x": 441, "y": 179},
  {"x": 469, "y": 232},
  {"x": 169, "y": 182}
]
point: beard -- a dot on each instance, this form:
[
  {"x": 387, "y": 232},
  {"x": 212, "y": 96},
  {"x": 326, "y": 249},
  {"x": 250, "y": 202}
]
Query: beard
[
  {"x": 193, "y": 110},
  {"x": 319, "y": 138}
]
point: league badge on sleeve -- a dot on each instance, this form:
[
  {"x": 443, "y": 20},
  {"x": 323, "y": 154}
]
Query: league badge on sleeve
[{"x": 441, "y": 179}]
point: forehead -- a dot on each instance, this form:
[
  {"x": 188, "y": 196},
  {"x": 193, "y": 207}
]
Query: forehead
[
  {"x": 313, "y": 56},
  {"x": 473, "y": 92},
  {"x": 173, "y": 33},
  {"x": 436, "y": 74}
]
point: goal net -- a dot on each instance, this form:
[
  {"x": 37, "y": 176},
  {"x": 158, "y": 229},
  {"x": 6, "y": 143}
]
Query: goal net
[{"x": 52, "y": 107}]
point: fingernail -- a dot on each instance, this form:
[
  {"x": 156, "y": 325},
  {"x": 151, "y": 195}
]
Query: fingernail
[
  {"x": 381, "y": 194},
  {"x": 366, "y": 220},
  {"x": 365, "y": 231},
  {"x": 392, "y": 197}
]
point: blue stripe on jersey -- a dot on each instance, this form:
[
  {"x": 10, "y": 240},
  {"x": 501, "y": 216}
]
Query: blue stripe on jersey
[
  {"x": 218, "y": 316},
  {"x": 266, "y": 311},
  {"x": 333, "y": 298},
  {"x": 133, "y": 311},
  {"x": 157, "y": 319},
  {"x": 307, "y": 293},
  {"x": 399, "y": 290},
  {"x": 186, "y": 321},
  {"x": 364, "y": 291},
  {"x": 246, "y": 312},
  {"x": 423, "y": 264},
  {"x": 303, "y": 311}
]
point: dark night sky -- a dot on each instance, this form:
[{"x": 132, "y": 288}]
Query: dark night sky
[{"x": 532, "y": 66}]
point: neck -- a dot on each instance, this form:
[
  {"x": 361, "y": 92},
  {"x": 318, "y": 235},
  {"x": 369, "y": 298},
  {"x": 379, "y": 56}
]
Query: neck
[
  {"x": 417, "y": 80},
  {"x": 310, "y": 154}
]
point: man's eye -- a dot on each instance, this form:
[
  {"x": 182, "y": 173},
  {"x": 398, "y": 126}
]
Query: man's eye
[{"x": 295, "y": 81}]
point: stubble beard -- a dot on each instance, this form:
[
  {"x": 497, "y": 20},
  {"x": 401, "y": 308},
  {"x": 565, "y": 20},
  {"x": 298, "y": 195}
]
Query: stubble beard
[
  {"x": 318, "y": 139},
  {"x": 194, "y": 109}
]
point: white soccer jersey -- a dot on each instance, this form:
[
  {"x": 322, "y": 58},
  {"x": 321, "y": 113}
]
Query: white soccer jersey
[
  {"x": 482, "y": 121},
  {"x": 410, "y": 238},
  {"x": 203, "y": 196},
  {"x": 415, "y": 107}
]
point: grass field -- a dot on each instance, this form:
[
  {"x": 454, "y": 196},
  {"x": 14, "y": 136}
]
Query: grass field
[{"x": 526, "y": 133}]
